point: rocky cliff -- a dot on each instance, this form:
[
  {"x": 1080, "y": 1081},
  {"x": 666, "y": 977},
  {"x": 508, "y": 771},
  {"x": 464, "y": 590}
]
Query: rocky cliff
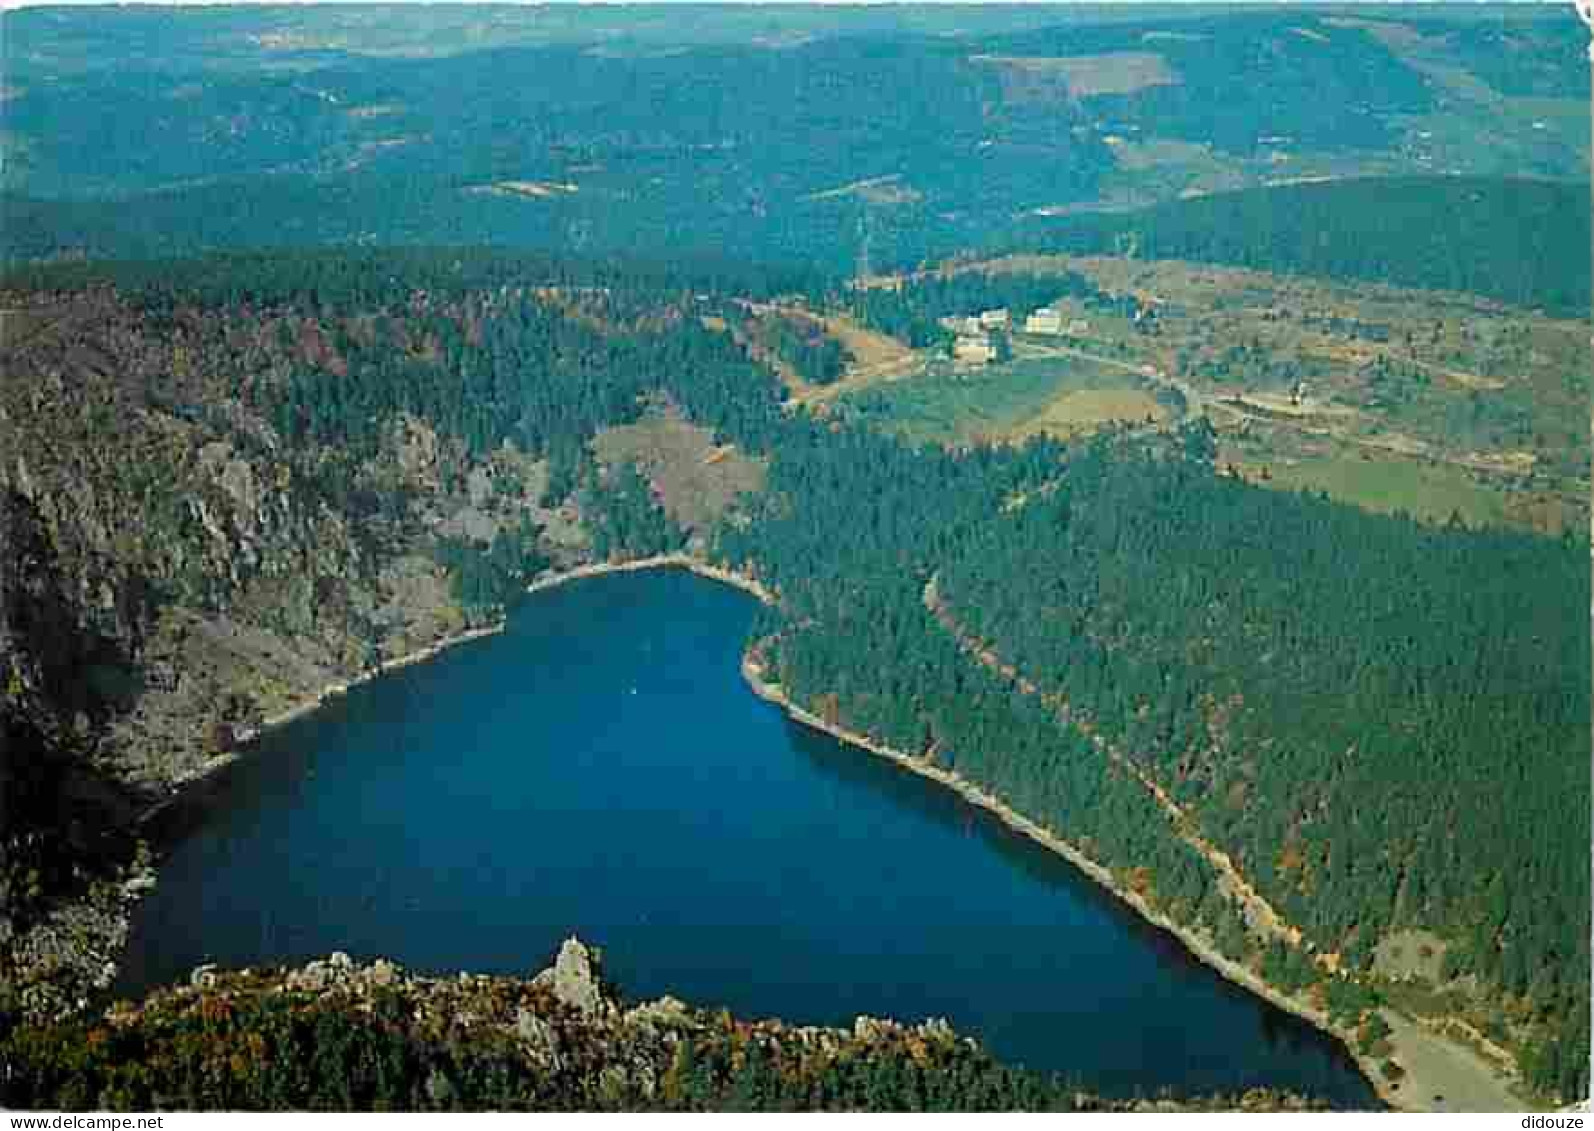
[
  {"x": 183, "y": 561},
  {"x": 171, "y": 574},
  {"x": 341, "y": 1035}
]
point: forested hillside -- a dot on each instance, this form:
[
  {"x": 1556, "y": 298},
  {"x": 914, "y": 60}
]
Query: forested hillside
[
  {"x": 324, "y": 330},
  {"x": 1381, "y": 735},
  {"x": 1318, "y": 84},
  {"x": 1522, "y": 242},
  {"x": 1323, "y": 787},
  {"x": 334, "y": 461},
  {"x": 338, "y": 456}
]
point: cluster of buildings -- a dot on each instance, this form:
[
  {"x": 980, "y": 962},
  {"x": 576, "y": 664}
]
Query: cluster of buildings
[
  {"x": 977, "y": 324},
  {"x": 974, "y": 343}
]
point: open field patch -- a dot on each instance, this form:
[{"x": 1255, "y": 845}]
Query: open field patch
[
  {"x": 1308, "y": 33},
  {"x": 1384, "y": 397},
  {"x": 1089, "y": 409},
  {"x": 1003, "y": 403},
  {"x": 374, "y": 110},
  {"x": 1140, "y": 154},
  {"x": 1546, "y": 512},
  {"x": 533, "y": 190},
  {"x": 873, "y": 190},
  {"x": 695, "y": 479},
  {"x": 876, "y": 358},
  {"x": 1431, "y": 492},
  {"x": 1041, "y": 79},
  {"x": 1279, "y": 404}
]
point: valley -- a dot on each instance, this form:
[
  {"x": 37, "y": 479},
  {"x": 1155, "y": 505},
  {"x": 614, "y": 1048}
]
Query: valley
[{"x": 1190, "y": 488}]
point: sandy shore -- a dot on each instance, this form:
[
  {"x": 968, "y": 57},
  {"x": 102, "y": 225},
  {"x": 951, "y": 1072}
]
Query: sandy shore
[{"x": 659, "y": 561}]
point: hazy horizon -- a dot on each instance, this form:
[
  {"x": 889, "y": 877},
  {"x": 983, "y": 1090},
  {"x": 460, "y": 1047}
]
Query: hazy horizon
[{"x": 11, "y": 5}]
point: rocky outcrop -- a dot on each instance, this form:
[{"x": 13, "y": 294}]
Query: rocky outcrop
[
  {"x": 232, "y": 568},
  {"x": 575, "y": 978},
  {"x": 372, "y": 1035},
  {"x": 176, "y": 570},
  {"x": 62, "y": 636},
  {"x": 336, "y": 970}
]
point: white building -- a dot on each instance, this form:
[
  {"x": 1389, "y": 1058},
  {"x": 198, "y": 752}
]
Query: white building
[
  {"x": 1044, "y": 321},
  {"x": 977, "y": 350},
  {"x": 995, "y": 319}
]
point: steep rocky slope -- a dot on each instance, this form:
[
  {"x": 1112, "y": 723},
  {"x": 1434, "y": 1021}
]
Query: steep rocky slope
[
  {"x": 171, "y": 574},
  {"x": 180, "y": 564},
  {"x": 336, "y": 1034}
]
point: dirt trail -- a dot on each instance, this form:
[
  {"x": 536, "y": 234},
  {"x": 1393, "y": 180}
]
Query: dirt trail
[
  {"x": 1460, "y": 376},
  {"x": 1258, "y": 911},
  {"x": 877, "y": 358},
  {"x": 1309, "y": 424},
  {"x": 1441, "y": 1074}
]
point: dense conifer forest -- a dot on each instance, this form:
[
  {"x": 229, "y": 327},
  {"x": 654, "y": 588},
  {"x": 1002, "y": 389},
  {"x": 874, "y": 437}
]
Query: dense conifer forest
[
  {"x": 314, "y": 284},
  {"x": 890, "y": 139},
  {"x": 1380, "y": 731},
  {"x": 1371, "y": 716},
  {"x": 1518, "y": 241}
]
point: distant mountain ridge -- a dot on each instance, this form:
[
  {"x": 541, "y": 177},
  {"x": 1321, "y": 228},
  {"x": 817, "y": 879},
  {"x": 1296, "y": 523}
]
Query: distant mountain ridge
[{"x": 690, "y": 129}]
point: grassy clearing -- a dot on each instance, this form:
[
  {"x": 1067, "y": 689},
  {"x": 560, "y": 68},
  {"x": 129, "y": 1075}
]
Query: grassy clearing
[
  {"x": 1089, "y": 409},
  {"x": 1429, "y": 492},
  {"x": 876, "y": 190},
  {"x": 697, "y": 480},
  {"x": 1002, "y": 402},
  {"x": 1429, "y": 402},
  {"x": 1037, "y": 78},
  {"x": 536, "y": 190}
]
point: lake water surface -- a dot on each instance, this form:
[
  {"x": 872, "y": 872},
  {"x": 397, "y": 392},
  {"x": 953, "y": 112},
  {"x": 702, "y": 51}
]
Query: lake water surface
[{"x": 601, "y": 769}]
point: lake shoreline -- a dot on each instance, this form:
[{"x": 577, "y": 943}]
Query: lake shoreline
[
  {"x": 1415, "y": 1083},
  {"x": 183, "y": 790},
  {"x": 699, "y": 566},
  {"x": 754, "y": 675}
]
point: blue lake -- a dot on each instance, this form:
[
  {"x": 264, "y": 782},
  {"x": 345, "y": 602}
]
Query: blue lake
[{"x": 601, "y": 769}]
